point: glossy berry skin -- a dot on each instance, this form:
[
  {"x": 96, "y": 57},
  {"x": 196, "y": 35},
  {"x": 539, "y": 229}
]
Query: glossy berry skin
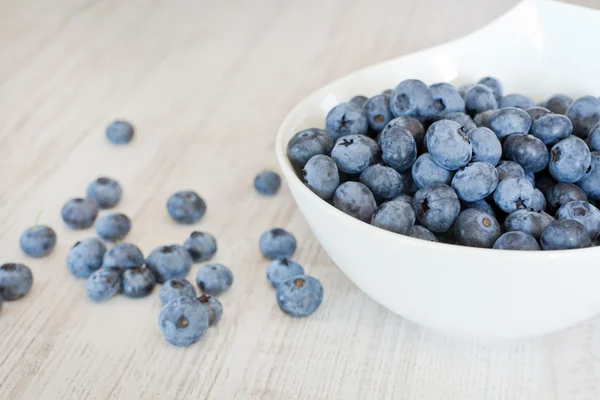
[
  {"x": 353, "y": 153},
  {"x": 475, "y": 181},
  {"x": 15, "y": 281},
  {"x": 537, "y": 112},
  {"x": 105, "y": 192},
  {"x": 214, "y": 279},
  {"x": 448, "y": 145},
  {"x": 516, "y": 241},
  {"x": 445, "y": 99},
  {"x": 494, "y": 84},
  {"x": 122, "y": 256},
  {"x": 398, "y": 148},
  {"x": 356, "y": 200},
  {"x": 485, "y": 146},
  {"x": 383, "y": 181},
  {"x": 79, "y": 213},
  {"x": 463, "y": 89},
  {"x": 509, "y": 169},
  {"x": 552, "y": 128},
  {"x": 277, "y": 243},
  {"x": 482, "y": 119},
  {"x": 516, "y": 100},
  {"x": 267, "y": 183},
  {"x": 564, "y": 234},
  {"x": 169, "y": 262},
  {"x": 113, "y": 227},
  {"x": 137, "y": 282},
  {"x": 183, "y": 321},
  {"x": 412, "y": 125},
  {"x": 176, "y": 288},
  {"x": 526, "y": 150},
  {"x": 411, "y": 98},
  {"x": 103, "y": 284},
  {"x": 530, "y": 222},
  {"x": 569, "y": 160},
  {"x": 281, "y": 269},
  {"x": 119, "y": 132},
  {"x": 321, "y": 175},
  {"x": 202, "y": 246},
  {"x": 186, "y": 207},
  {"x": 420, "y": 232},
  {"x": 346, "y": 119},
  {"x": 480, "y": 98},
  {"x": 425, "y": 172},
  {"x": 394, "y": 216},
  {"x": 359, "y": 100},
  {"x": 508, "y": 121},
  {"x": 464, "y": 120},
  {"x": 213, "y": 308},
  {"x": 563, "y": 193},
  {"x": 306, "y": 144},
  {"x": 594, "y": 139},
  {"x": 584, "y": 113},
  {"x": 378, "y": 112},
  {"x": 85, "y": 257},
  {"x": 38, "y": 241},
  {"x": 514, "y": 194},
  {"x": 475, "y": 228},
  {"x": 584, "y": 213},
  {"x": 436, "y": 207},
  {"x": 558, "y": 103},
  {"x": 590, "y": 181},
  {"x": 299, "y": 296}
]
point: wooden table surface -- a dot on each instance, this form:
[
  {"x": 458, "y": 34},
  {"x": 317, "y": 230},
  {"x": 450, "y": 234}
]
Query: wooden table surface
[{"x": 207, "y": 84}]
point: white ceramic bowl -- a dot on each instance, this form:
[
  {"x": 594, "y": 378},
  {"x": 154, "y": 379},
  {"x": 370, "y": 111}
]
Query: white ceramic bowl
[{"x": 538, "y": 48}]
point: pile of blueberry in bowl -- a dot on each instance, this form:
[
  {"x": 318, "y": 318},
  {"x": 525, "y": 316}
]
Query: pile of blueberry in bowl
[{"x": 468, "y": 166}]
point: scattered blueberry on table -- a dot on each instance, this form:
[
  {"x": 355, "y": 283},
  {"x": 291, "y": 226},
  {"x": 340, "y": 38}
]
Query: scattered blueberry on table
[
  {"x": 79, "y": 213},
  {"x": 38, "y": 241},
  {"x": 15, "y": 281},
  {"x": 122, "y": 256},
  {"x": 119, "y": 132},
  {"x": 169, "y": 262},
  {"x": 281, "y": 269},
  {"x": 277, "y": 243},
  {"x": 214, "y": 279},
  {"x": 175, "y": 288},
  {"x": 106, "y": 192},
  {"x": 202, "y": 246},
  {"x": 137, "y": 282},
  {"x": 85, "y": 257},
  {"x": 267, "y": 183},
  {"x": 103, "y": 284},
  {"x": 183, "y": 321},
  {"x": 213, "y": 308},
  {"x": 299, "y": 296},
  {"x": 113, "y": 227},
  {"x": 186, "y": 207}
]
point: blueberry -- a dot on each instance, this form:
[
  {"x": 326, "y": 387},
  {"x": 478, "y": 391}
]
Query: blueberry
[
  {"x": 462, "y": 119},
  {"x": 590, "y": 182},
  {"x": 79, "y": 213},
  {"x": 563, "y": 193},
  {"x": 137, "y": 282},
  {"x": 508, "y": 121},
  {"x": 186, "y": 207},
  {"x": 106, "y": 192},
  {"x": 176, "y": 288},
  {"x": 404, "y": 197},
  {"x": 202, "y": 246},
  {"x": 388, "y": 92},
  {"x": 119, "y": 132},
  {"x": 569, "y": 160},
  {"x": 169, "y": 262},
  {"x": 103, "y": 284},
  {"x": 213, "y": 308},
  {"x": 480, "y": 98},
  {"x": 526, "y": 150},
  {"x": 281, "y": 269},
  {"x": 411, "y": 124},
  {"x": 516, "y": 100},
  {"x": 412, "y": 98},
  {"x": 530, "y": 222},
  {"x": 538, "y": 201},
  {"x": 214, "y": 278},
  {"x": 378, "y": 112},
  {"x": 513, "y": 194},
  {"x": 394, "y": 216},
  {"x": 346, "y": 119},
  {"x": 436, "y": 206},
  {"x": 537, "y": 112},
  {"x": 85, "y": 257},
  {"x": 516, "y": 241},
  {"x": 353, "y": 153},
  {"x": 485, "y": 146},
  {"x": 383, "y": 181},
  {"x": 584, "y": 113},
  {"x": 509, "y": 169},
  {"x": 448, "y": 145},
  {"x": 410, "y": 187},
  {"x": 476, "y": 229},
  {"x": 183, "y": 321},
  {"x": 113, "y": 227},
  {"x": 359, "y": 100},
  {"x": 306, "y": 144},
  {"x": 398, "y": 148},
  {"x": 445, "y": 99},
  {"x": 480, "y": 205},
  {"x": 420, "y": 232},
  {"x": 494, "y": 84},
  {"x": 267, "y": 183},
  {"x": 299, "y": 296},
  {"x": 425, "y": 172},
  {"x": 276, "y": 243},
  {"x": 15, "y": 281},
  {"x": 123, "y": 256},
  {"x": 564, "y": 234},
  {"x": 552, "y": 128},
  {"x": 530, "y": 176},
  {"x": 594, "y": 139},
  {"x": 38, "y": 241},
  {"x": 475, "y": 181},
  {"x": 483, "y": 118},
  {"x": 355, "y": 199},
  {"x": 463, "y": 89},
  {"x": 558, "y": 103},
  {"x": 584, "y": 213},
  {"x": 321, "y": 176}
]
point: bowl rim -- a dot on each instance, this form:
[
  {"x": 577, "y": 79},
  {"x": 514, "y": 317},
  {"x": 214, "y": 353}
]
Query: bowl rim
[{"x": 293, "y": 179}]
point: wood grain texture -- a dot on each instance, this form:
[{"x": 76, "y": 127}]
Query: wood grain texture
[{"x": 207, "y": 84}]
